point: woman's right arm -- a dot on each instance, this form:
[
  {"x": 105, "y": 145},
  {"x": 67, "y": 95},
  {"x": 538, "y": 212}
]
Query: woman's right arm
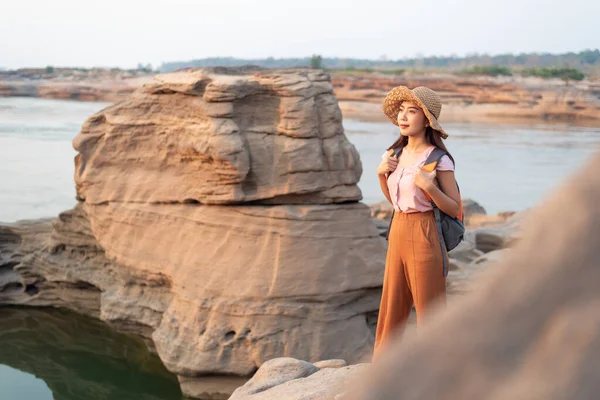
[{"x": 388, "y": 164}]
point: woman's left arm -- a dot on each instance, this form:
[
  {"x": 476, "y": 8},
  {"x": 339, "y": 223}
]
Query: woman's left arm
[{"x": 447, "y": 196}]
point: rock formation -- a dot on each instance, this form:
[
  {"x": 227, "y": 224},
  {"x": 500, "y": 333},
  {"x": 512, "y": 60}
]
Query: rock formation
[{"x": 218, "y": 219}]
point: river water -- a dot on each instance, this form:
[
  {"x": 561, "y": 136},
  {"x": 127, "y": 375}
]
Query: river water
[{"x": 46, "y": 353}]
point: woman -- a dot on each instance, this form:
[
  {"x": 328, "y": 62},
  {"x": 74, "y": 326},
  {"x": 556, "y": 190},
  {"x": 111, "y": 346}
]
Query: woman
[{"x": 414, "y": 264}]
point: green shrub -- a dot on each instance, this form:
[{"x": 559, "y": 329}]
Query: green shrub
[
  {"x": 397, "y": 71},
  {"x": 489, "y": 70},
  {"x": 554, "y": 72}
]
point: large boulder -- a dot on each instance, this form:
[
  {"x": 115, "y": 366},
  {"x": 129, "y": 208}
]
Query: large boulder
[
  {"x": 220, "y": 136},
  {"x": 249, "y": 282},
  {"x": 471, "y": 207},
  {"x": 502, "y": 235}
]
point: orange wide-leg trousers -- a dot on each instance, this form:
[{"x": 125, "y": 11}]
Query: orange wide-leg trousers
[{"x": 413, "y": 273}]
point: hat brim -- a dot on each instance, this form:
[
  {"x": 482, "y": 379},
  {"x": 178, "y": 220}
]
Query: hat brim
[{"x": 393, "y": 100}]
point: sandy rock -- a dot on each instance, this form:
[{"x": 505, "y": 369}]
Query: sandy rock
[
  {"x": 278, "y": 276},
  {"x": 273, "y": 373},
  {"x": 471, "y": 207},
  {"x": 220, "y": 136},
  {"x": 211, "y": 387},
  {"x": 462, "y": 280},
  {"x": 490, "y": 239},
  {"x": 381, "y": 210},
  {"x": 331, "y": 364},
  {"x": 484, "y": 221},
  {"x": 465, "y": 252},
  {"x": 382, "y": 226},
  {"x": 494, "y": 256},
  {"x": 296, "y": 380}
]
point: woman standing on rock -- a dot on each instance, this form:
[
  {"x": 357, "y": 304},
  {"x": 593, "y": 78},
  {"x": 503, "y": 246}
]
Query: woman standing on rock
[{"x": 415, "y": 270}]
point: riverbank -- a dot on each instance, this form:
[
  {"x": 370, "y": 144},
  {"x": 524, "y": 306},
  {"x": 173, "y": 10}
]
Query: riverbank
[
  {"x": 96, "y": 84},
  {"x": 37, "y": 283},
  {"x": 477, "y": 99},
  {"x": 466, "y": 98},
  {"x": 482, "y": 113},
  {"x": 243, "y": 238}
]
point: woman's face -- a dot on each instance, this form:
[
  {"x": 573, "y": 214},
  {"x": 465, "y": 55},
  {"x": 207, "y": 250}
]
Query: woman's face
[{"x": 411, "y": 119}]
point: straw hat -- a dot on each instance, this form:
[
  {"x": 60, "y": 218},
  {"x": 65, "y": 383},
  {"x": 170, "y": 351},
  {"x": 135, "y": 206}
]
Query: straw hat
[{"x": 424, "y": 97}]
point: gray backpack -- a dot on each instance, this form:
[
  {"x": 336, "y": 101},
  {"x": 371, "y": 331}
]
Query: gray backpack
[{"x": 450, "y": 230}]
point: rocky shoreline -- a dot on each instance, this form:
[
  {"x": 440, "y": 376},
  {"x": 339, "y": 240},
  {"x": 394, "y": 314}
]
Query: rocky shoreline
[
  {"x": 58, "y": 263},
  {"x": 72, "y": 83},
  {"x": 478, "y": 99},
  {"x": 219, "y": 219},
  {"x": 465, "y": 98}
]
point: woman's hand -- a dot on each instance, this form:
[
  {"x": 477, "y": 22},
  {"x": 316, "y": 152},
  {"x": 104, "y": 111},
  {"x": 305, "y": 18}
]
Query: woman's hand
[
  {"x": 388, "y": 164},
  {"x": 424, "y": 180}
]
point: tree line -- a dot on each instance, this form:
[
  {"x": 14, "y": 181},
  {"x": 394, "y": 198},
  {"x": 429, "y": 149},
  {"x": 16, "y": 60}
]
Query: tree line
[{"x": 587, "y": 60}]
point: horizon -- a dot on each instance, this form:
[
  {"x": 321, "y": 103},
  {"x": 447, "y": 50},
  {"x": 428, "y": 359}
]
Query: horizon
[
  {"x": 475, "y": 54},
  {"x": 124, "y": 34}
]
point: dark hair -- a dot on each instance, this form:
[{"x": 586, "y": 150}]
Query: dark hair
[{"x": 432, "y": 136}]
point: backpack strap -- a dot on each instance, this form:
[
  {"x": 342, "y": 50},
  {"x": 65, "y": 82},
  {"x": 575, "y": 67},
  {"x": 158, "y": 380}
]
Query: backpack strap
[
  {"x": 434, "y": 158},
  {"x": 396, "y": 153},
  {"x": 430, "y": 165},
  {"x": 438, "y": 224}
]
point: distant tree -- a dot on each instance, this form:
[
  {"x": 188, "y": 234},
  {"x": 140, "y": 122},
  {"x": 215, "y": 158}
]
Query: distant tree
[
  {"x": 144, "y": 68},
  {"x": 49, "y": 69},
  {"x": 589, "y": 56},
  {"x": 316, "y": 61}
]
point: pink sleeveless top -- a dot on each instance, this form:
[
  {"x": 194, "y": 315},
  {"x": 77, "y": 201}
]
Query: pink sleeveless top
[{"x": 406, "y": 197}]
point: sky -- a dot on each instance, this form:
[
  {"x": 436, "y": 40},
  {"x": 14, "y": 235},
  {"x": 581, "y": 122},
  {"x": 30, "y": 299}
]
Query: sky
[{"x": 111, "y": 33}]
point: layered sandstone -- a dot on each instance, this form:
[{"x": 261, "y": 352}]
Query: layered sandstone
[
  {"x": 218, "y": 219},
  {"x": 220, "y": 138}
]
